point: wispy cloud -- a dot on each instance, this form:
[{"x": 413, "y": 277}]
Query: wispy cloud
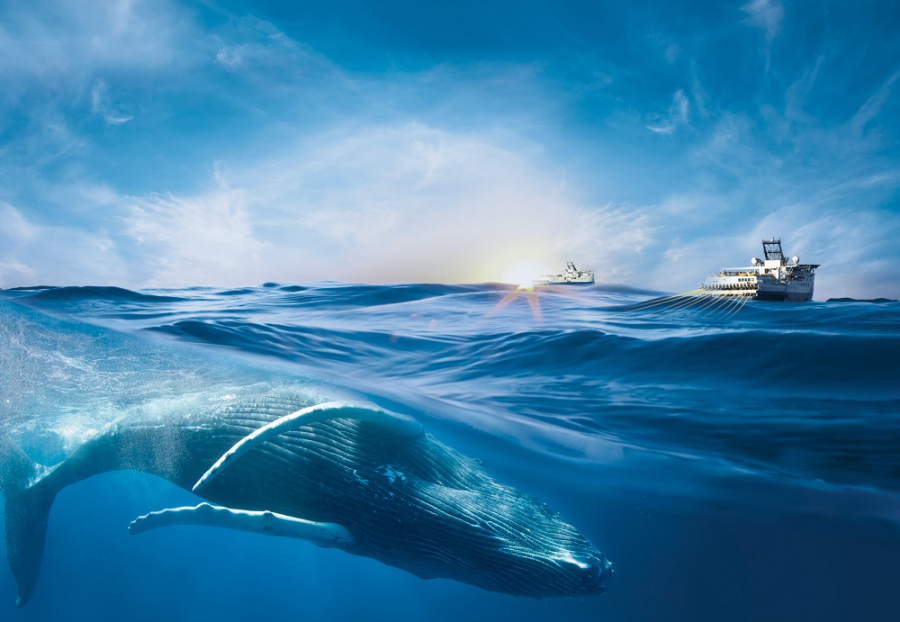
[
  {"x": 249, "y": 44},
  {"x": 15, "y": 227},
  {"x": 33, "y": 253},
  {"x": 207, "y": 239},
  {"x": 872, "y": 107},
  {"x": 60, "y": 42},
  {"x": 765, "y": 14},
  {"x": 103, "y": 106},
  {"x": 678, "y": 114}
]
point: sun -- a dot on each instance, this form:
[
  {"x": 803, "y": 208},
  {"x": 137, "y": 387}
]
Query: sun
[{"x": 523, "y": 272}]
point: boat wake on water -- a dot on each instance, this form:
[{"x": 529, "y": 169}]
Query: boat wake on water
[{"x": 698, "y": 300}]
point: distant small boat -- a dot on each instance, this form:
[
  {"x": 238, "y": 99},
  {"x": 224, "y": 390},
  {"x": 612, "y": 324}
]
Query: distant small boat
[{"x": 572, "y": 276}]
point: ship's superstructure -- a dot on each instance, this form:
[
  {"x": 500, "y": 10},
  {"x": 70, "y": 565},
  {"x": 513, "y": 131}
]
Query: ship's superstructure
[
  {"x": 572, "y": 276},
  {"x": 772, "y": 278}
]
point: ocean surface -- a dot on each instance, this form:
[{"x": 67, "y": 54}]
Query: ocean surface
[{"x": 736, "y": 462}]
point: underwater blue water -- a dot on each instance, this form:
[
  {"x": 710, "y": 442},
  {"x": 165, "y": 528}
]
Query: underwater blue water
[{"x": 735, "y": 462}]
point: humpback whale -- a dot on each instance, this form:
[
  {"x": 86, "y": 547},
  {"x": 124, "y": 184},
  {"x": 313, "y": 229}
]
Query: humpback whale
[{"x": 346, "y": 474}]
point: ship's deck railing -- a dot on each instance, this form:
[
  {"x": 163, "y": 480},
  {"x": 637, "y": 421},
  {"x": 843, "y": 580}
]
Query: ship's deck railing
[{"x": 728, "y": 286}]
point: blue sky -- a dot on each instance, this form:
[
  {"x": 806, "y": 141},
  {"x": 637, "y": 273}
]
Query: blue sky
[{"x": 149, "y": 143}]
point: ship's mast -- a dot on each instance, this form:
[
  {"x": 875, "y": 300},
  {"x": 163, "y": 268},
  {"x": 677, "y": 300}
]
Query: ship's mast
[{"x": 772, "y": 250}]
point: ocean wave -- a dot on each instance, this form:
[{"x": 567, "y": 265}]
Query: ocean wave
[
  {"x": 92, "y": 294},
  {"x": 794, "y": 363},
  {"x": 806, "y": 390}
]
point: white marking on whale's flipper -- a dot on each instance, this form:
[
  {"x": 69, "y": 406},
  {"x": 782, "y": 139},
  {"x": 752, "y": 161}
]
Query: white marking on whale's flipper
[
  {"x": 404, "y": 425},
  {"x": 268, "y": 523}
]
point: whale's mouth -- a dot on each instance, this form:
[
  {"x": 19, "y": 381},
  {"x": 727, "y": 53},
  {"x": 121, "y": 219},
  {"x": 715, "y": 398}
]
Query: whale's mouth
[
  {"x": 595, "y": 573},
  {"x": 600, "y": 574}
]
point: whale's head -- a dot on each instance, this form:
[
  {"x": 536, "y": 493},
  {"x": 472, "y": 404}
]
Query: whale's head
[
  {"x": 449, "y": 518},
  {"x": 500, "y": 539},
  {"x": 537, "y": 553}
]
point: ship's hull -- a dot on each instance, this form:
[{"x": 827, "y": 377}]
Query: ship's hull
[
  {"x": 585, "y": 278},
  {"x": 589, "y": 281},
  {"x": 793, "y": 291},
  {"x": 799, "y": 290},
  {"x": 785, "y": 296}
]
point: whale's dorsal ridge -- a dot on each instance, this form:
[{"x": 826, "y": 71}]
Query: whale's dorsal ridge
[
  {"x": 265, "y": 522},
  {"x": 402, "y": 425}
]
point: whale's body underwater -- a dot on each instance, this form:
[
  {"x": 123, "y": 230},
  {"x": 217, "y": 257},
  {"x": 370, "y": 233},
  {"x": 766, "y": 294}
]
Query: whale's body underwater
[
  {"x": 345, "y": 474},
  {"x": 400, "y": 497}
]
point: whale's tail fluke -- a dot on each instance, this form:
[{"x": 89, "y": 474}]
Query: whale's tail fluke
[{"x": 27, "y": 511}]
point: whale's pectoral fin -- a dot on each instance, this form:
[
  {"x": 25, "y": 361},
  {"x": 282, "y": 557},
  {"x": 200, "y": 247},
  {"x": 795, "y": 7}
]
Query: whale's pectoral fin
[
  {"x": 268, "y": 523},
  {"x": 403, "y": 425}
]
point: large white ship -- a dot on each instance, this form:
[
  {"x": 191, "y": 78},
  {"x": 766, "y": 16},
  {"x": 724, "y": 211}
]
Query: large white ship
[
  {"x": 772, "y": 278},
  {"x": 572, "y": 276}
]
